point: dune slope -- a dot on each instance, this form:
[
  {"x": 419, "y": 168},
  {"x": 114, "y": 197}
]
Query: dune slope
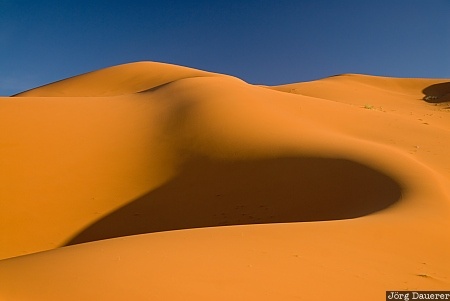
[
  {"x": 152, "y": 181},
  {"x": 117, "y": 80}
]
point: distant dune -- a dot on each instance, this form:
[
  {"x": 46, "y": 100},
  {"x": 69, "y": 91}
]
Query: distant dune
[{"x": 149, "y": 181}]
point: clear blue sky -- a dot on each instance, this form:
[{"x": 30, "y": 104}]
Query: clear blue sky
[{"x": 262, "y": 42}]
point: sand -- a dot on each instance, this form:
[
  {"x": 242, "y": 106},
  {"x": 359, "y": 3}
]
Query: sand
[{"x": 149, "y": 181}]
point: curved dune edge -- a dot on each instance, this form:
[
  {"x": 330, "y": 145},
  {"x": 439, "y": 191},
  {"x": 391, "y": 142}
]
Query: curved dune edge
[
  {"x": 117, "y": 80},
  {"x": 211, "y": 193},
  {"x": 342, "y": 182}
]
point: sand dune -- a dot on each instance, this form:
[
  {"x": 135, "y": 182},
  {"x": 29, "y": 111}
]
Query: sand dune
[
  {"x": 215, "y": 189},
  {"x": 219, "y": 193},
  {"x": 117, "y": 80}
]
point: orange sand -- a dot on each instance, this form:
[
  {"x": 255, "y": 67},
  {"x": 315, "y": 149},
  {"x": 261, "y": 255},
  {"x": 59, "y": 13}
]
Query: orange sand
[{"x": 335, "y": 189}]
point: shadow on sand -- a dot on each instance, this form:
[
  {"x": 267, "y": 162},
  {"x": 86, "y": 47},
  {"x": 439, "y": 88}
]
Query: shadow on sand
[
  {"x": 437, "y": 93},
  {"x": 209, "y": 193}
]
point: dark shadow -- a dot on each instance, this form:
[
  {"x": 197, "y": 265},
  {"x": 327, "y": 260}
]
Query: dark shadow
[
  {"x": 153, "y": 89},
  {"x": 437, "y": 93},
  {"x": 210, "y": 193}
]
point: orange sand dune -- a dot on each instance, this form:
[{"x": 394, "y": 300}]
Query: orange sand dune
[
  {"x": 149, "y": 181},
  {"x": 117, "y": 80}
]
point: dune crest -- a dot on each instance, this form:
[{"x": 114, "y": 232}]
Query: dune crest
[
  {"x": 153, "y": 181},
  {"x": 116, "y": 80}
]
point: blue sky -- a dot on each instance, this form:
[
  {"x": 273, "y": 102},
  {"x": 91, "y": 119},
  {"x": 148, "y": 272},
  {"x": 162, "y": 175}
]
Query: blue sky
[{"x": 261, "y": 42}]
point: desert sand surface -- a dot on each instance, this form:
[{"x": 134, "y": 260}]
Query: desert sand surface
[{"x": 149, "y": 181}]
